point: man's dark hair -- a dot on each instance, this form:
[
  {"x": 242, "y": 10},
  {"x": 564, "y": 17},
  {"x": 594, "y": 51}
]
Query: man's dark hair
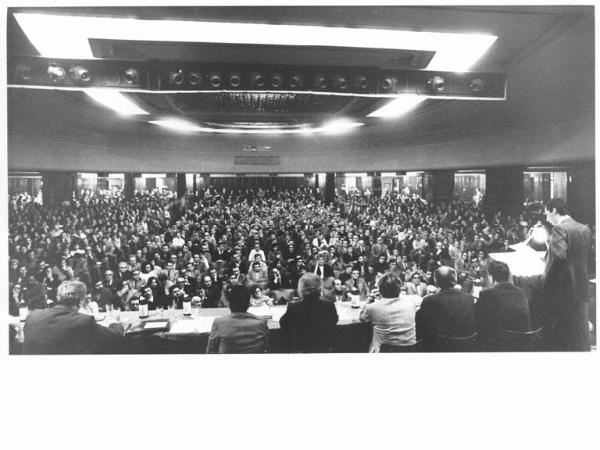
[
  {"x": 445, "y": 277},
  {"x": 239, "y": 298},
  {"x": 557, "y": 203},
  {"x": 390, "y": 285},
  {"x": 499, "y": 271}
]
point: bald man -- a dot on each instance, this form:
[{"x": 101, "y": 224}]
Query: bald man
[{"x": 450, "y": 312}]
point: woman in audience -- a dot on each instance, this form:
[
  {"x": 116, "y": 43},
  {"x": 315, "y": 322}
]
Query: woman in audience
[{"x": 259, "y": 299}]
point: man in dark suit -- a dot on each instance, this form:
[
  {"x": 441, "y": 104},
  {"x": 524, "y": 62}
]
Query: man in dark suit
[
  {"x": 63, "y": 330},
  {"x": 501, "y": 307},
  {"x": 240, "y": 332},
  {"x": 565, "y": 287},
  {"x": 447, "y": 313},
  {"x": 310, "y": 323}
]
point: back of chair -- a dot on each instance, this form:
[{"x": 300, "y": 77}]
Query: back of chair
[
  {"x": 455, "y": 344},
  {"x": 390, "y": 348},
  {"x": 519, "y": 341}
]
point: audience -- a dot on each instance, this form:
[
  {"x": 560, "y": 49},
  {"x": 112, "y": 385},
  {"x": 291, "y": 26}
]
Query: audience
[
  {"x": 392, "y": 314},
  {"x": 214, "y": 240},
  {"x": 239, "y": 332}
]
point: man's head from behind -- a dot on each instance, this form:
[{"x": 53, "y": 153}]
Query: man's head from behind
[
  {"x": 498, "y": 272},
  {"x": 389, "y": 285},
  {"x": 445, "y": 277},
  {"x": 239, "y": 299},
  {"x": 309, "y": 286},
  {"x": 71, "y": 293}
]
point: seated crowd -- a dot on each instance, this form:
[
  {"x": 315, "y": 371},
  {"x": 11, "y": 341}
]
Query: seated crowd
[{"x": 202, "y": 246}]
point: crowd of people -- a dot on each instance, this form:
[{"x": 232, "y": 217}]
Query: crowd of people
[{"x": 164, "y": 249}]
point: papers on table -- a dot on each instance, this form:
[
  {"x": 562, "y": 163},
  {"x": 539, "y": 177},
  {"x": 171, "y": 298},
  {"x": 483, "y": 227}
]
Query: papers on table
[
  {"x": 261, "y": 311},
  {"x": 190, "y": 326},
  {"x": 154, "y": 325},
  {"x": 525, "y": 261}
]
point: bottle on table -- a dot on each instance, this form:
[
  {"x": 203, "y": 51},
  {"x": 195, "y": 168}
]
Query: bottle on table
[
  {"x": 23, "y": 310},
  {"x": 477, "y": 287},
  {"x": 187, "y": 305},
  {"x": 355, "y": 297},
  {"x": 143, "y": 307}
]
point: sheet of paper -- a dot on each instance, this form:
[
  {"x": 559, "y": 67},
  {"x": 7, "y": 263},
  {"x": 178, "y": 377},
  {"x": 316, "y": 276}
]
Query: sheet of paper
[
  {"x": 262, "y": 311},
  {"x": 196, "y": 325},
  {"x": 154, "y": 325},
  {"x": 203, "y": 324}
]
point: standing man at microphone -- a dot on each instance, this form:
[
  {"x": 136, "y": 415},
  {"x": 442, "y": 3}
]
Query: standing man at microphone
[{"x": 565, "y": 283}]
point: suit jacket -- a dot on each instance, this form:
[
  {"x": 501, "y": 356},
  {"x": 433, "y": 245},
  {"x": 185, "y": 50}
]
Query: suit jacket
[
  {"x": 309, "y": 324},
  {"x": 238, "y": 333},
  {"x": 502, "y": 307},
  {"x": 565, "y": 289},
  {"x": 393, "y": 320},
  {"x": 59, "y": 330},
  {"x": 566, "y": 275},
  {"x": 449, "y": 313}
]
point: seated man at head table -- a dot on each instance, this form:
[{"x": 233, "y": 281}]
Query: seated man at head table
[
  {"x": 63, "y": 330},
  {"x": 239, "y": 332},
  {"x": 503, "y": 306},
  {"x": 392, "y": 314},
  {"x": 446, "y": 313},
  {"x": 310, "y": 322}
]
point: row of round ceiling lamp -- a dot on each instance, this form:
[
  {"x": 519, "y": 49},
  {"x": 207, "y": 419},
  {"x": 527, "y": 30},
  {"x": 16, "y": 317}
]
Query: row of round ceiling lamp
[
  {"x": 259, "y": 80},
  {"x": 82, "y": 76},
  {"x": 234, "y": 80}
]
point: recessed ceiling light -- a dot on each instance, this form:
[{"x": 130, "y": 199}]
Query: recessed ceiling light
[
  {"x": 65, "y": 36},
  {"x": 177, "y": 124},
  {"x": 339, "y": 126},
  {"x": 115, "y": 100},
  {"x": 334, "y": 127}
]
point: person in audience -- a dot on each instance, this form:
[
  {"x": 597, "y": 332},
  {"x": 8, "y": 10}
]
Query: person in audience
[
  {"x": 502, "y": 306},
  {"x": 357, "y": 283},
  {"x": 320, "y": 268},
  {"x": 310, "y": 323},
  {"x": 346, "y": 274},
  {"x": 34, "y": 293},
  {"x": 89, "y": 306},
  {"x": 338, "y": 293},
  {"x": 392, "y": 314},
  {"x": 416, "y": 286},
  {"x": 257, "y": 298},
  {"x": 450, "y": 312},
  {"x": 213, "y": 293},
  {"x": 239, "y": 332},
  {"x": 15, "y": 297},
  {"x": 63, "y": 330}
]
